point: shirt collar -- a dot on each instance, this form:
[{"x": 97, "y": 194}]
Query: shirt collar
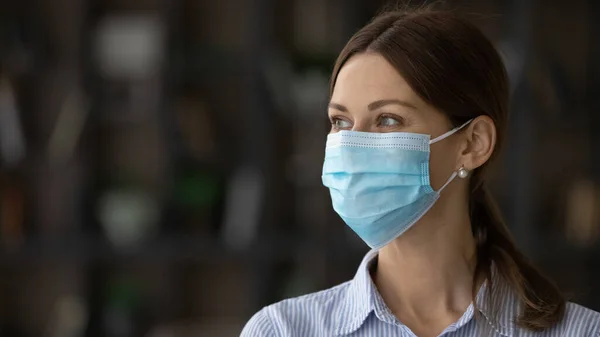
[
  {"x": 359, "y": 299},
  {"x": 501, "y": 317},
  {"x": 362, "y": 298}
]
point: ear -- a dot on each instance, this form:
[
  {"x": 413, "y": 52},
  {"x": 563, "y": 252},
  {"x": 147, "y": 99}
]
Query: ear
[{"x": 480, "y": 136}]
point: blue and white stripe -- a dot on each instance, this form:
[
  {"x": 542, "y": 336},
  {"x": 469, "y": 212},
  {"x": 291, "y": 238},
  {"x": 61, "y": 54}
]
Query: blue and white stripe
[{"x": 355, "y": 308}]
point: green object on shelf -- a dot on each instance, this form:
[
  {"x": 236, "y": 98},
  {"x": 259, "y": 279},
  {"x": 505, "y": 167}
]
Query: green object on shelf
[
  {"x": 124, "y": 293},
  {"x": 198, "y": 189},
  {"x": 121, "y": 313}
]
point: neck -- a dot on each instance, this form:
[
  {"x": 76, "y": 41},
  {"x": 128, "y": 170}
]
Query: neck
[{"x": 426, "y": 274}]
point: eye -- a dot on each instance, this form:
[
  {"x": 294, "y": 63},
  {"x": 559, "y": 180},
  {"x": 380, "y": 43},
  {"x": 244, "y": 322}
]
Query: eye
[
  {"x": 389, "y": 121},
  {"x": 339, "y": 123}
]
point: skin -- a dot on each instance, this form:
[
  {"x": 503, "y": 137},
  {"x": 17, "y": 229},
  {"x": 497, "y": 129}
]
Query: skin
[{"x": 425, "y": 276}]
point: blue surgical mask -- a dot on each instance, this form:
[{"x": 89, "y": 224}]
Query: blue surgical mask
[{"x": 379, "y": 182}]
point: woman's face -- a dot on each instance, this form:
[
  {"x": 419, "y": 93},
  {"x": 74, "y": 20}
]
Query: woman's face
[{"x": 370, "y": 96}]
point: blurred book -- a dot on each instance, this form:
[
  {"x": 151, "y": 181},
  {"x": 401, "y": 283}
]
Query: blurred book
[
  {"x": 12, "y": 141},
  {"x": 69, "y": 317},
  {"x": 582, "y": 223},
  {"x": 12, "y": 212},
  {"x": 12, "y": 152},
  {"x": 226, "y": 293},
  {"x": 244, "y": 201},
  {"x": 196, "y": 128}
]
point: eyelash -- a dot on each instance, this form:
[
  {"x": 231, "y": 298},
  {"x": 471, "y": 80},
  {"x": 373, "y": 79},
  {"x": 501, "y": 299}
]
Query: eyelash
[
  {"x": 334, "y": 119},
  {"x": 398, "y": 119}
]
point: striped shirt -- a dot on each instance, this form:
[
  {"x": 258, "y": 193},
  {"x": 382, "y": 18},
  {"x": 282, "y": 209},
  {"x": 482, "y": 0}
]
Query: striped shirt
[{"x": 355, "y": 308}]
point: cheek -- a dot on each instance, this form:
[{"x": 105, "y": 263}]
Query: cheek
[{"x": 442, "y": 162}]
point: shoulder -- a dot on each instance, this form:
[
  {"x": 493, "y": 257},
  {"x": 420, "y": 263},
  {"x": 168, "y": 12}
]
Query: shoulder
[
  {"x": 579, "y": 321},
  {"x": 312, "y": 312}
]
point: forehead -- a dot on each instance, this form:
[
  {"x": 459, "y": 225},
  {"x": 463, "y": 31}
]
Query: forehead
[{"x": 370, "y": 76}]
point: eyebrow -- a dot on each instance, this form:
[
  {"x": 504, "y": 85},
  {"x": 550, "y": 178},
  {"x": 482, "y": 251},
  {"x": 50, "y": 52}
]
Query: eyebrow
[
  {"x": 374, "y": 105},
  {"x": 337, "y": 107},
  {"x": 384, "y": 102}
]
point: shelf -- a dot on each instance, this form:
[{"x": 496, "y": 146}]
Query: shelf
[
  {"x": 84, "y": 249},
  {"x": 171, "y": 249}
]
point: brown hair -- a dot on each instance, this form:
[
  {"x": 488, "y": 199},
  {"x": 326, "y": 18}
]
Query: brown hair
[{"x": 451, "y": 65}]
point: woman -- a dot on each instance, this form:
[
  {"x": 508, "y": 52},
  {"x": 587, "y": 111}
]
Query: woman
[{"x": 443, "y": 262}]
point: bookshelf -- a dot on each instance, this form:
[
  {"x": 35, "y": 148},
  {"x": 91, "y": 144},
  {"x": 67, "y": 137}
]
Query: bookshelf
[{"x": 175, "y": 190}]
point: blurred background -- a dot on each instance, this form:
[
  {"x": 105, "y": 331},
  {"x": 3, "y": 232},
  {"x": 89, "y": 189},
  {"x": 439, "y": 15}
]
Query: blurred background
[{"x": 161, "y": 159}]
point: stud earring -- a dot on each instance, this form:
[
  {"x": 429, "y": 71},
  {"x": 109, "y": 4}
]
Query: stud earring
[{"x": 463, "y": 172}]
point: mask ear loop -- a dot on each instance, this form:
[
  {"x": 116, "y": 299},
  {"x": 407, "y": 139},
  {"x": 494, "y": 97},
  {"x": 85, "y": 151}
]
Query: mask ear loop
[
  {"x": 449, "y": 133},
  {"x": 452, "y": 176},
  {"x": 442, "y": 137}
]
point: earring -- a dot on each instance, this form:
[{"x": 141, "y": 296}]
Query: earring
[{"x": 463, "y": 172}]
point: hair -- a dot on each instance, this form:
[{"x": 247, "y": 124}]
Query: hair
[{"x": 451, "y": 65}]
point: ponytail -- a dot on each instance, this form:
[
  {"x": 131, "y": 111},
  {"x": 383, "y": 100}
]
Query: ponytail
[{"x": 542, "y": 303}]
